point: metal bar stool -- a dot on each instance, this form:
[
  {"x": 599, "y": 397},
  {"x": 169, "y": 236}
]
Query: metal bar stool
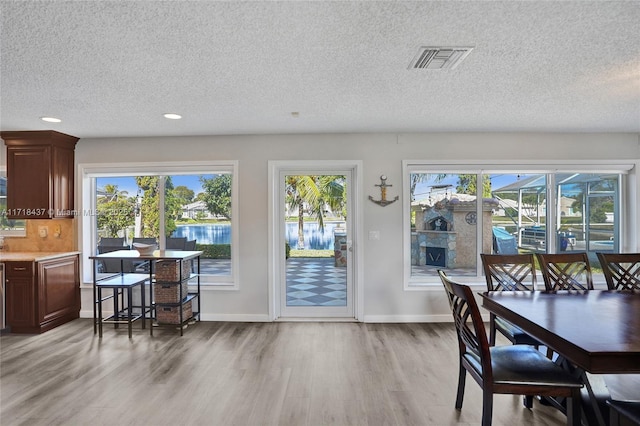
[{"x": 122, "y": 306}]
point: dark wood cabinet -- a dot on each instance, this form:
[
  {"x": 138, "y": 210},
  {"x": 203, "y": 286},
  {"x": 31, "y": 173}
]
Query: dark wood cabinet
[
  {"x": 40, "y": 172},
  {"x": 42, "y": 295},
  {"x": 20, "y": 295}
]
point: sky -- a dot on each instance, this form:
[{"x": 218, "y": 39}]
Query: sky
[
  {"x": 497, "y": 181},
  {"x": 128, "y": 183}
]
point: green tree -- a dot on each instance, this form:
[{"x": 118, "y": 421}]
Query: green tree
[
  {"x": 217, "y": 195},
  {"x": 468, "y": 184},
  {"x": 183, "y": 194},
  {"x": 115, "y": 210},
  {"x": 150, "y": 221}
]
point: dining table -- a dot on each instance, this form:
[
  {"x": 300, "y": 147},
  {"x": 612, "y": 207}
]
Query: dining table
[{"x": 590, "y": 331}]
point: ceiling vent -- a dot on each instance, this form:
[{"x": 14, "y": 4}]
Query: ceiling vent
[{"x": 439, "y": 58}]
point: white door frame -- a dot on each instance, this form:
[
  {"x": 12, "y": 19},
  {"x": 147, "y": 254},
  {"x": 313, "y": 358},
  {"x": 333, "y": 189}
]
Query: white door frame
[{"x": 277, "y": 267}]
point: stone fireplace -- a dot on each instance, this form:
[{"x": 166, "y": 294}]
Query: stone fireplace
[
  {"x": 436, "y": 256},
  {"x": 445, "y": 233}
]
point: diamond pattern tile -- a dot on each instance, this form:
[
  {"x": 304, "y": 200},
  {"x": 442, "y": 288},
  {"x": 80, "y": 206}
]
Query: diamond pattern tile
[{"x": 315, "y": 282}]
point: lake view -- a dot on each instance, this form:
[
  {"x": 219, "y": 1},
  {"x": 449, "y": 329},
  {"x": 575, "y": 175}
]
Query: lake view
[{"x": 314, "y": 239}]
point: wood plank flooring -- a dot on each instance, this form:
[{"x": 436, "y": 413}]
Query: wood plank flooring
[{"x": 245, "y": 374}]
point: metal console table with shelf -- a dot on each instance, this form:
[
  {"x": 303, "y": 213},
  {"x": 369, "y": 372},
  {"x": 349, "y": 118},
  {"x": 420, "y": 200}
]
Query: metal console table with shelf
[{"x": 168, "y": 272}]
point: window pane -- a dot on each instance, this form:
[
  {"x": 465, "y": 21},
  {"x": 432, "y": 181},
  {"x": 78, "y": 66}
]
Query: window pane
[
  {"x": 116, "y": 207},
  {"x": 202, "y": 213},
  {"x": 519, "y": 218},
  {"x": 443, "y": 224},
  {"x": 15, "y": 227},
  {"x": 588, "y": 212}
]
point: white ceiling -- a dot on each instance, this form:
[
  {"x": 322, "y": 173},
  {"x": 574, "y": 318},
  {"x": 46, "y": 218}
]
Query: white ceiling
[{"x": 111, "y": 69}]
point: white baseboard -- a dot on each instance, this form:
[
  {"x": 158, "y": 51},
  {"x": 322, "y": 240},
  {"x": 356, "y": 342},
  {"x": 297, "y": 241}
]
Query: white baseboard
[
  {"x": 408, "y": 318},
  {"x": 367, "y": 318}
]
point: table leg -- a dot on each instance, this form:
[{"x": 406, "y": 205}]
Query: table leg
[{"x": 129, "y": 309}]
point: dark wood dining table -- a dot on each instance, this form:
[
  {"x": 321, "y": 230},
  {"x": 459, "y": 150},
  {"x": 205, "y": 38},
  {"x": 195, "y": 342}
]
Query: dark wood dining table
[{"x": 595, "y": 331}]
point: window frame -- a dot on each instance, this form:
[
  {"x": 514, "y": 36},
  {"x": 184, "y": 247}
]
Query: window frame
[
  {"x": 549, "y": 168},
  {"x": 87, "y": 174},
  {"x": 12, "y": 232}
]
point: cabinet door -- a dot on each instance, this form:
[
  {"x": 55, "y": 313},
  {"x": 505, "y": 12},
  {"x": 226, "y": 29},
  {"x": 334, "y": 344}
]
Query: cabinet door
[
  {"x": 59, "y": 289},
  {"x": 29, "y": 189},
  {"x": 63, "y": 166},
  {"x": 20, "y": 296}
]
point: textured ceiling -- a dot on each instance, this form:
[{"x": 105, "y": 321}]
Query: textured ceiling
[{"x": 111, "y": 69}]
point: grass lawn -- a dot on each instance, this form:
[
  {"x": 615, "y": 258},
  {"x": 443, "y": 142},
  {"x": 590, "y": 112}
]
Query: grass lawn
[{"x": 310, "y": 253}]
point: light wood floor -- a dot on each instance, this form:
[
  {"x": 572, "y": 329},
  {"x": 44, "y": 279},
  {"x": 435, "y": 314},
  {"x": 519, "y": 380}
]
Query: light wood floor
[{"x": 245, "y": 374}]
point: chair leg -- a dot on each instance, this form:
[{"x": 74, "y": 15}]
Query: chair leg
[
  {"x": 487, "y": 407},
  {"x": 492, "y": 330},
  {"x": 614, "y": 417},
  {"x": 462, "y": 375},
  {"x": 574, "y": 412},
  {"x": 528, "y": 401}
]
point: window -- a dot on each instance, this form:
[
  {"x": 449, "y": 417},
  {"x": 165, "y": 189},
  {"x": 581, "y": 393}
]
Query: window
[
  {"x": 8, "y": 227},
  {"x": 191, "y": 204},
  {"x": 521, "y": 212}
]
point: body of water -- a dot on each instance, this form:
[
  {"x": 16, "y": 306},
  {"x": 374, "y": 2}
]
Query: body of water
[{"x": 314, "y": 239}]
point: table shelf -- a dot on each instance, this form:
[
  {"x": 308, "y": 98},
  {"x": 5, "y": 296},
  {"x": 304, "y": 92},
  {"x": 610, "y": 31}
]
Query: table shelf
[{"x": 128, "y": 279}]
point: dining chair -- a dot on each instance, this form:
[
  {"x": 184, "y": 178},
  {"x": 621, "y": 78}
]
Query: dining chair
[
  {"x": 145, "y": 240},
  {"x": 624, "y": 413},
  {"x": 621, "y": 270},
  {"x": 565, "y": 271},
  {"x": 111, "y": 241},
  {"x": 509, "y": 272},
  {"x": 511, "y": 369},
  {"x": 175, "y": 243}
]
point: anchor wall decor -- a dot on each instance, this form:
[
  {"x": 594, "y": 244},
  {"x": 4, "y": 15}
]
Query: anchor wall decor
[{"x": 383, "y": 193}]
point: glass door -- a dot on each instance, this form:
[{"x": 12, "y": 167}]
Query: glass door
[{"x": 316, "y": 280}]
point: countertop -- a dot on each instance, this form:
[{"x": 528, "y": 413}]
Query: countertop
[{"x": 33, "y": 256}]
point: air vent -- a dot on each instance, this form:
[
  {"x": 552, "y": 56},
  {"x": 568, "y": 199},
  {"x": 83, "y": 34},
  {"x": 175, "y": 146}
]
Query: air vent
[{"x": 439, "y": 58}]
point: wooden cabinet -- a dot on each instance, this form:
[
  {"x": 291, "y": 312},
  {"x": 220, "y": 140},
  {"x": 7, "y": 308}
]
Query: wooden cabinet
[
  {"x": 20, "y": 295},
  {"x": 40, "y": 173},
  {"x": 42, "y": 295}
]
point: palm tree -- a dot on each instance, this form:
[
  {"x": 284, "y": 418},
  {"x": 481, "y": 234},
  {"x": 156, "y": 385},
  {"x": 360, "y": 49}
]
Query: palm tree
[{"x": 316, "y": 193}]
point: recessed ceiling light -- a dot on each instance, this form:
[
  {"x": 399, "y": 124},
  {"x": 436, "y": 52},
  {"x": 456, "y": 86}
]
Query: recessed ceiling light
[
  {"x": 51, "y": 119},
  {"x": 172, "y": 116}
]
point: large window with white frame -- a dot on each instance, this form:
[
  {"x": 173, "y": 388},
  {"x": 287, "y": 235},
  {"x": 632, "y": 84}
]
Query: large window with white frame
[
  {"x": 522, "y": 209},
  {"x": 173, "y": 206}
]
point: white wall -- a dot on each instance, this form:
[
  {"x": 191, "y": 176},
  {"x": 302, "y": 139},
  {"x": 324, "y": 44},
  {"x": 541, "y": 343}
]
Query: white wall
[{"x": 384, "y": 296}]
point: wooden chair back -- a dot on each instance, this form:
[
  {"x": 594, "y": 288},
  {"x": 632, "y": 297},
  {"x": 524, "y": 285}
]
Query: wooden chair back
[
  {"x": 565, "y": 271},
  {"x": 472, "y": 336},
  {"x": 509, "y": 272},
  {"x": 621, "y": 270}
]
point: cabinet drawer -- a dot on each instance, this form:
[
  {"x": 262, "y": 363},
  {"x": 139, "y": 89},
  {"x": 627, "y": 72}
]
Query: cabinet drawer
[{"x": 19, "y": 269}]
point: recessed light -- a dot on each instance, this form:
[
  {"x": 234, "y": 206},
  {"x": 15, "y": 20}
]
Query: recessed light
[
  {"x": 51, "y": 119},
  {"x": 172, "y": 116}
]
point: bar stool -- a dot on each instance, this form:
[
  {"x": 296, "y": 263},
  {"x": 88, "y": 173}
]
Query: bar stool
[{"x": 122, "y": 306}]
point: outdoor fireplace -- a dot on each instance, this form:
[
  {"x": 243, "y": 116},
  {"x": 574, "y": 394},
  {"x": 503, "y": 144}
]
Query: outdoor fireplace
[
  {"x": 438, "y": 224},
  {"x": 436, "y": 256}
]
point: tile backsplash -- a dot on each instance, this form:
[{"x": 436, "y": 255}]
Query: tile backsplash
[{"x": 34, "y": 242}]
